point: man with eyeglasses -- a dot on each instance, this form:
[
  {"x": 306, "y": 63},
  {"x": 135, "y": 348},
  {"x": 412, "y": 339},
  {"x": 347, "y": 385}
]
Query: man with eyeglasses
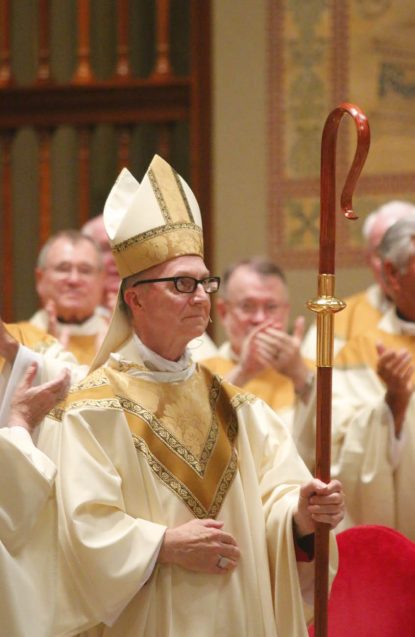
[
  {"x": 260, "y": 355},
  {"x": 181, "y": 498},
  {"x": 201, "y": 347},
  {"x": 69, "y": 282}
]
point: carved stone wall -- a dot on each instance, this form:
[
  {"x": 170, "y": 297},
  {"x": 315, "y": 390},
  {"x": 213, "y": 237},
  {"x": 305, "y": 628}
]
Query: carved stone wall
[{"x": 322, "y": 52}]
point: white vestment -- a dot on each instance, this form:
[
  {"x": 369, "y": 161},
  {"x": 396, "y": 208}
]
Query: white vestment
[
  {"x": 28, "y": 524},
  {"x": 202, "y": 347},
  {"x": 142, "y": 450},
  {"x": 51, "y": 361},
  {"x": 27, "y": 537},
  {"x": 375, "y": 468}
]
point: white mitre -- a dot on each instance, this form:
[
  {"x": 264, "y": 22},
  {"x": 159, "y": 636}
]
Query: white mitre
[
  {"x": 147, "y": 223},
  {"x": 152, "y": 222}
]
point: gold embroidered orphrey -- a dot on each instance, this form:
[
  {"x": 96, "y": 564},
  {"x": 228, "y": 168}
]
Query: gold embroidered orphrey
[{"x": 187, "y": 441}]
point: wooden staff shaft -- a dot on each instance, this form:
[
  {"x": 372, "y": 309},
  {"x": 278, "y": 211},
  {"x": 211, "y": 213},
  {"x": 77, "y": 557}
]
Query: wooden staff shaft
[
  {"x": 323, "y": 442},
  {"x": 325, "y": 306}
]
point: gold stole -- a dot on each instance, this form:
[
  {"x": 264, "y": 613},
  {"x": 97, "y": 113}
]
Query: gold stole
[
  {"x": 83, "y": 347},
  {"x": 276, "y": 389},
  {"x": 185, "y": 430},
  {"x": 361, "y": 351},
  {"x": 358, "y": 317},
  {"x": 29, "y": 335}
]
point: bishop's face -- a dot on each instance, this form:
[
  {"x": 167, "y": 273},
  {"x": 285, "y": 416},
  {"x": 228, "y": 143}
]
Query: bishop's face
[{"x": 164, "y": 318}]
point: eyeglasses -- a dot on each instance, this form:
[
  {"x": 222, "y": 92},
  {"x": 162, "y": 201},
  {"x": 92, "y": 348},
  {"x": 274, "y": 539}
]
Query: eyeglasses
[
  {"x": 187, "y": 284},
  {"x": 248, "y": 308},
  {"x": 65, "y": 269}
]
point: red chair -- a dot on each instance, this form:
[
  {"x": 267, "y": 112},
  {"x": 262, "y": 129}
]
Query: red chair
[{"x": 374, "y": 590}]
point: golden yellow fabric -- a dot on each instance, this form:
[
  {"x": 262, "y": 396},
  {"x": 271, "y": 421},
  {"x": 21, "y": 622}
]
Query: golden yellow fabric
[
  {"x": 29, "y": 335},
  {"x": 362, "y": 351},
  {"x": 275, "y": 389},
  {"x": 358, "y": 317},
  {"x": 186, "y": 437},
  {"x": 169, "y": 192},
  {"x": 156, "y": 246},
  {"x": 83, "y": 347}
]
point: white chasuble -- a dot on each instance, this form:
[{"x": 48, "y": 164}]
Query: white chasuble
[{"x": 141, "y": 451}]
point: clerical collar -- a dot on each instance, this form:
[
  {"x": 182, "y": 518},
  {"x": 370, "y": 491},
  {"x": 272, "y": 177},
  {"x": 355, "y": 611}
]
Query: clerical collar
[
  {"x": 406, "y": 327},
  {"x": 63, "y": 321},
  {"x": 155, "y": 362}
]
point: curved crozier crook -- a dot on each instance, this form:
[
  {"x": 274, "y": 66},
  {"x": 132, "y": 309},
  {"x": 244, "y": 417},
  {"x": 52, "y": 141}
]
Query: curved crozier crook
[
  {"x": 328, "y": 177},
  {"x": 362, "y": 149}
]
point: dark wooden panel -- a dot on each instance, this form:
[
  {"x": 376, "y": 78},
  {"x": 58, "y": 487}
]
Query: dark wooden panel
[
  {"x": 105, "y": 102},
  {"x": 176, "y": 106}
]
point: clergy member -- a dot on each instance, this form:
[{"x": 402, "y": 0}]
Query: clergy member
[
  {"x": 69, "y": 283},
  {"x": 365, "y": 308},
  {"x": 373, "y": 400},
  {"x": 22, "y": 344},
  {"x": 184, "y": 506},
  {"x": 260, "y": 355}
]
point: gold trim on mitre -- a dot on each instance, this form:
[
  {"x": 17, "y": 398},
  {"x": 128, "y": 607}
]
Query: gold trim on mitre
[
  {"x": 152, "y": 222},
  {"x": 147, "y": 224}
]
